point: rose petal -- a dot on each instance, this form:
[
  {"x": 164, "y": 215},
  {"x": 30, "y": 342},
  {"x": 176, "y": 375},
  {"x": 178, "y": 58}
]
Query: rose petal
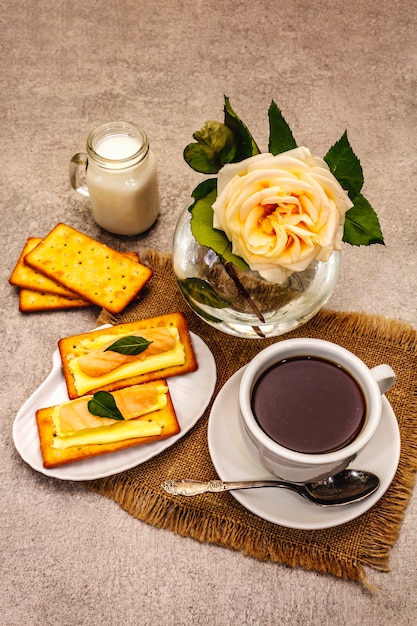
[{"x": 281, "y": 212}]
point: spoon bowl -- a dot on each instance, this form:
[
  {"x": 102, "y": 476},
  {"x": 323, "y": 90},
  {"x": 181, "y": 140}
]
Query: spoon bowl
[{"x": 345, "y": 487}]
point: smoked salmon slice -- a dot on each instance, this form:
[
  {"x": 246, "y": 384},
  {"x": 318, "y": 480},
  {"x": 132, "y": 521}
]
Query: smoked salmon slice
[
  {"x": 101, "y": 361},
  {"x": 132, "y": 402}
]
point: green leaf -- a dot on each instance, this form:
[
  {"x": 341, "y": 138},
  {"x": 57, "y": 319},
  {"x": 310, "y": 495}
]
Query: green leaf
[
  {"x": 199, "y": 159},
  {"x": 215, "y": 146},
  {"x": 206, "y": 235},
  {"x": 245, "y": 143},
  {"x": 281, "y": 138},
  {"x": 103, "y": 405},
  {"x": 361, "y": 224},
  {"x": 345, "y": 166},
  {"x": 201, "y": 291},
  {"x": 203, "y": 189},
  {"x": 130, "y": 345},
  {"x": 197, "y": 309}
]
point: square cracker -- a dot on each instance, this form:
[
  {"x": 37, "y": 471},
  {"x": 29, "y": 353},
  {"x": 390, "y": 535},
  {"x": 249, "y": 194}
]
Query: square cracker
[
  {"x": 89, "y": 268},
  {"x": 34, "y": 300},
  {"x": 72, "y": 347},
  {"x": 55, "y": 457},
  {"x": 31, "y": 301},
  {"x": 40, "y": 293},
  {"x": 26, "y": 277}
]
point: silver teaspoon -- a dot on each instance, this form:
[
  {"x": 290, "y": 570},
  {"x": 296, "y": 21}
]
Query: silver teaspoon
[{"x": 344, "y": 488}]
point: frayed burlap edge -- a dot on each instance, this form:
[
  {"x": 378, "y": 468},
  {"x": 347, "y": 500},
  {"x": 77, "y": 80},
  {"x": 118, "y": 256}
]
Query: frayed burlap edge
[{"x": 384, "y": 525}]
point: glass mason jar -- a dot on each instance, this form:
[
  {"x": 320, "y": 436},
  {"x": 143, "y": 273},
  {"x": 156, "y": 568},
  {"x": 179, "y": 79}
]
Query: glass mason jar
[
  {"x": 242, "y": 303},
  {"x": 119, "y": 175}
]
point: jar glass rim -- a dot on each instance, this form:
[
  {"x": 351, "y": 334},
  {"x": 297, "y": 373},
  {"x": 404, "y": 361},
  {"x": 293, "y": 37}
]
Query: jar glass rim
[{"x": 118, "y": 127}]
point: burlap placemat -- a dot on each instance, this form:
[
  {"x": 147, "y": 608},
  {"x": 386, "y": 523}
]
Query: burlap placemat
[{"x": 218, "y": 518}]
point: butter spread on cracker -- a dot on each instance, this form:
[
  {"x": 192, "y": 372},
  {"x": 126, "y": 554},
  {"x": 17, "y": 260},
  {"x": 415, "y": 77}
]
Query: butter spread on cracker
[
  {"x": 92, "y": 366},
  {"x": 74, "y": 425}
]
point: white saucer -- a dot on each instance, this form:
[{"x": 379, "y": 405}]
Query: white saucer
[
  {"x": 189, "y": 407},
  {"x": 233, "y": 459}
]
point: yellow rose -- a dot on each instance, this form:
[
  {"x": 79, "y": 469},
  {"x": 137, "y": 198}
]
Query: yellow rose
[{"x": 280, "y": 212}]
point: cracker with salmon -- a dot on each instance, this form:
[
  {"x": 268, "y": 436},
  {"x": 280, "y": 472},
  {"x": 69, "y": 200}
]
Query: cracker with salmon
[
  {"x": 90, "y": 426},
  {"x": 127, "y": 354}
]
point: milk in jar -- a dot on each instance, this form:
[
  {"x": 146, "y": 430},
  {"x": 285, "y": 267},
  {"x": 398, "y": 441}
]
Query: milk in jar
[{"x": 121, "y": 177}]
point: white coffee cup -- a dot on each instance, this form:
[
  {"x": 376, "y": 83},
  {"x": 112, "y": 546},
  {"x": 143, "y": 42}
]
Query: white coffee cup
[{"x": 296, "y": 466}]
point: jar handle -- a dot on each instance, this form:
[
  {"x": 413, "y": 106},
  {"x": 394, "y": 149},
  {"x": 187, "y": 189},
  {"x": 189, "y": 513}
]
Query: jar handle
[{"x": 78, "y": 168}]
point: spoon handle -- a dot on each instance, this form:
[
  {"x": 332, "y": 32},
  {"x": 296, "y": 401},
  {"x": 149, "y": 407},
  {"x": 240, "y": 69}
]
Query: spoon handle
[{"x": 194, "y": 487}]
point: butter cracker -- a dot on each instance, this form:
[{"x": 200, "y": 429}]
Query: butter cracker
[
  {"x": 89, "y": 268},
  {"x": 69, "y": 348},
  {"x": 54, "y": 457},
  {"x": 27, "y": 277},
  {"x": 37, "y": 301}
]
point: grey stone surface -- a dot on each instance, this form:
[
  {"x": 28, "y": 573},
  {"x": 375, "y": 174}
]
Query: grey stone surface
[{"x": 70, "y": 556}]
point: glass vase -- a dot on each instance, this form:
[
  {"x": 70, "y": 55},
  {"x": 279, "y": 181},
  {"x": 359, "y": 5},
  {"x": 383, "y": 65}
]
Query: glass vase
[{"x": 241, "y": 302}]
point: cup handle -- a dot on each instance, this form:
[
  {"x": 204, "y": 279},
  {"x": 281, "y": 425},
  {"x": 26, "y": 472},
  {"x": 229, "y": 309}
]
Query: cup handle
[
  {"x": 78, "y": 166},
  {"x": 384, "y": 376}
]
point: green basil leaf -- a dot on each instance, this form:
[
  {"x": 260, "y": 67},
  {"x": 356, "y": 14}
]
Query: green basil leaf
[
  {"x": 245, "y": 143},
  {"x": 361, "y": 224},
  {"x": 130, "y": 345},
  {"x": 281, "y": 138},
  {"x": 201, "y": 291},
  {"x": 206, "y": 235},
  {"x": 103, "y": 405},
  {"x": 345, "y": 166}
]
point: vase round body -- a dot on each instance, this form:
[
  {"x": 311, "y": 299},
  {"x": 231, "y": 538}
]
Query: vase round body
[{"x": 241, "y": 302}]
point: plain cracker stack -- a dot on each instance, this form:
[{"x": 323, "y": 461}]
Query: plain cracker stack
[
  {"x": 31, "y": 301},
  {"x": 39, "y": 292},
  {"x": 35, "y": 301},
  {"x": 27, "y": 277},
  {"x": 89, "y": 268}
]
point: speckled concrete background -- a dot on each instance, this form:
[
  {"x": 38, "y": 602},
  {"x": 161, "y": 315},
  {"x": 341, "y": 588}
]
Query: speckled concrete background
[{"x": 69, "y": 556}]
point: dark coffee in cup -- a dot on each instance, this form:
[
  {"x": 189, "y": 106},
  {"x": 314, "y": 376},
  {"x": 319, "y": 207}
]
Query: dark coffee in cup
[{"x": 309, "y": 404}]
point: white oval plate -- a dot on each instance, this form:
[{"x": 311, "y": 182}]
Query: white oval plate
[
  {"x": 190, "y": 394},
  {"x": 234, "y": 459}
]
